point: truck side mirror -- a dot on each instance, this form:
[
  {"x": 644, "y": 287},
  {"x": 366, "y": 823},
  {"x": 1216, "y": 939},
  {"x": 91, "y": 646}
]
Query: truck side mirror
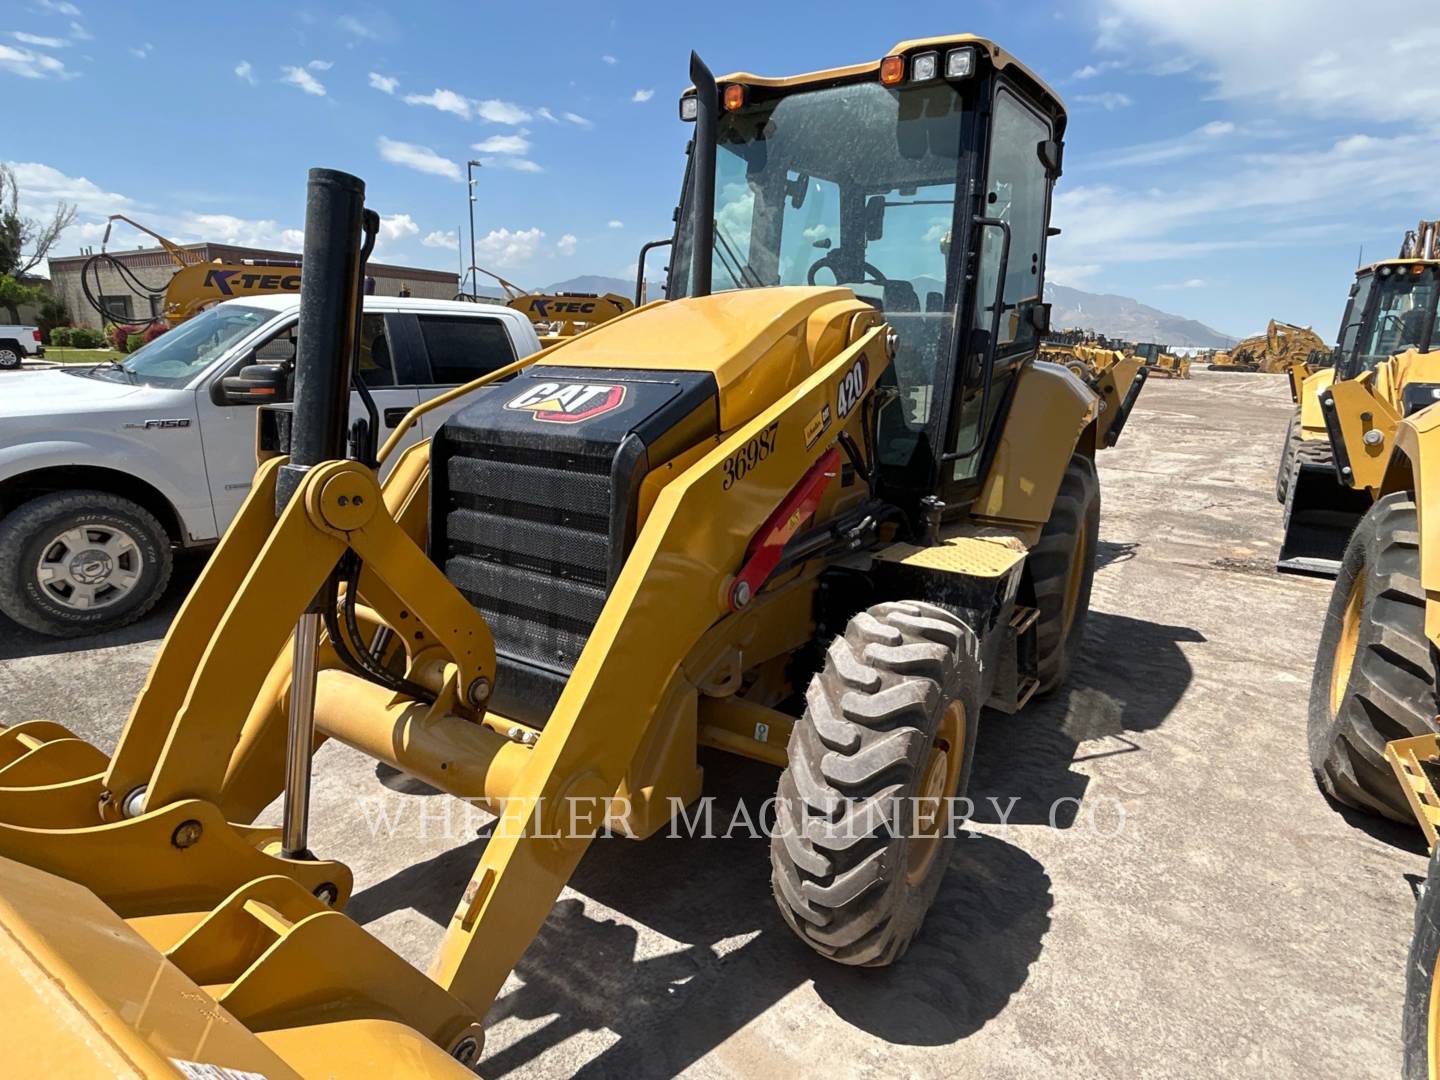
[{"x": 256, "y": 384}]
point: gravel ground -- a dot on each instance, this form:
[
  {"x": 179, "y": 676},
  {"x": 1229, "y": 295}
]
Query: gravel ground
[{"x": 1167, "y": 895}]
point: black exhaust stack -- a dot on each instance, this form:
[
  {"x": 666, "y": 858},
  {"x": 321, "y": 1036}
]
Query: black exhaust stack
[
  {"x": 702, "y": 175},
  {"x": 329, "y": 325}
]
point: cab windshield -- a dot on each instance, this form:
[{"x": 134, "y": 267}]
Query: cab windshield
[
  {"x": 1401, "y": 313},
  {"x": 852, "y": 185},
  {"x": 178, "y": 355}
]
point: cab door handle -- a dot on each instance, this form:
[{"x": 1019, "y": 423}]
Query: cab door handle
[{"x": 393, "y": 416}]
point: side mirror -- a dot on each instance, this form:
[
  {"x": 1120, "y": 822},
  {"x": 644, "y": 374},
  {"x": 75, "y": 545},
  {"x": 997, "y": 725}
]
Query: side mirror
[
  {"x": 875, "y": 217},
  {"x": 1040, "y": 318},
  {"x": 255, "y": 384},
  {"x": 1052, "y": 155}
]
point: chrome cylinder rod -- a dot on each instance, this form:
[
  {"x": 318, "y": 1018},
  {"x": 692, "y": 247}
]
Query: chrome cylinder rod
[{"x": 301, "y": 739}]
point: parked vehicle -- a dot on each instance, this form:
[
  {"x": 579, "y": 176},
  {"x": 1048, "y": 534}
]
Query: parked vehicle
[
  {"x": 17, "y": 343},
  {"x": 105, "y": 470}
]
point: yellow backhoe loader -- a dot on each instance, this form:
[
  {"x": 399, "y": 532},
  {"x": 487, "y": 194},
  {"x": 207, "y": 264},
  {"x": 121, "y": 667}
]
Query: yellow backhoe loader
[
  {"x": 816, "y": 524},
  {"x": 1159, "y": 360},
  {"x": 1380, "y": 370},
  {"x": 557, "y": 315},
  {"x": 1280, "y": 347},
  {"x": 194, "y": 286},
  {"x": 1372, "y": 724}
]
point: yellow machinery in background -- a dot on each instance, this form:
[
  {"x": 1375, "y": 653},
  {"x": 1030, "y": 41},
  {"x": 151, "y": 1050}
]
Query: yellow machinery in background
[
  {"x": 194, "y": 286},
  {"x": 1342, "y": 429},
  {"x": 1116, "y": 376},
  {"x": 1161, "y": 361},
  {"x": 764, "y": 516},
  {"x": 1280, "y": 347},
  {"x": 557, "y": 315}
]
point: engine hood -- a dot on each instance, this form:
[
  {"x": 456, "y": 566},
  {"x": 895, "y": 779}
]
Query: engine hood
[{"x": 57, "y": 393}]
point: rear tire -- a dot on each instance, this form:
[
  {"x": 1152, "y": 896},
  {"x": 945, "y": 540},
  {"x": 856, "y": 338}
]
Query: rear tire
[
  {"x": 1062, "y": 569},
  {"x": 1420, "y": 1027},
  {"x": 10, "y": 357},
  {"x": 860, "y": 842},
  {"x": 124, "y": 579},
  {"x": 1375, "y": 674}
]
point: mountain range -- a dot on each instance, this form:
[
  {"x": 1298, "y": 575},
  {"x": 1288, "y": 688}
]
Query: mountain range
[{"x": 1113, "y": 316}]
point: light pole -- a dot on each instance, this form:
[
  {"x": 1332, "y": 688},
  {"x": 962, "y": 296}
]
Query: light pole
[{"x": 470, "y": 166}]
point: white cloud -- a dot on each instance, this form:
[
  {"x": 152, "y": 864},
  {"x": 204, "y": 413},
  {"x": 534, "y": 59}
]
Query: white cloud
[
  {"x": 302, "y": 79},
  {"x": 566, "y": 244},
  {"x": 515, "y": 164},
  {"x": 384, "y": 83},
  {"x": 320, "y": 65},
  {"x": 398, "y": 227},
  {"x": 502, "y": 247},
  {"x": 1333, "y": 51},
  {"x": 244, "y": 232},
  {"x": 420, "y": 158},
  {"x": 546, "y": 114},
  {"x": 142, "y": 52},
  {"x": 447, "y": 101},
  {"x": 1110, "y": 100},
  {"x": 642, "y": 95},
  {"x": 440, "y": 239},
  {"x": 1241, "y": 206},
  {"x": 576, "y": 118},
  {"x": 38, "y": 41},
  {"x": 501, "y": 112},
  {"x": 61, "y": 7},
  {"x": 503, "y": 144},
  {"x": 607, "y": 58},
  {"x": 350, "y": 24},
  {"x": 42, "y": 186},
  {"x": 79, "y": 33},
  {"x": 1193, "y": 283},
  {"x": 615, "y": 223},
  {"x": 243, "y": 70},
  {"x": 1203, "y": 140},
  {"x": 1090, "y": 71},
  {"x": 31, "y": 65}
]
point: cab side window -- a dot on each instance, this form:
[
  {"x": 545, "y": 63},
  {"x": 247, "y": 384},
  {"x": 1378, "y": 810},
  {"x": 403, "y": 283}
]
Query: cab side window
[{"x": 464, "y": 348}]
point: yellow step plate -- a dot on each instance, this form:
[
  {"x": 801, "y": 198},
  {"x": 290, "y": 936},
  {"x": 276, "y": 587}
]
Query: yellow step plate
[{"x": 976, "y": 556}]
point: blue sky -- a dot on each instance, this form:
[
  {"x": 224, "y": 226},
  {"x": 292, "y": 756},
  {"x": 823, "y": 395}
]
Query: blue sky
[{"x": 1226, "y": 160}]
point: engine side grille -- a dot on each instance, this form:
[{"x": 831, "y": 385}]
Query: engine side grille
[{"x": 531, "y": 521}]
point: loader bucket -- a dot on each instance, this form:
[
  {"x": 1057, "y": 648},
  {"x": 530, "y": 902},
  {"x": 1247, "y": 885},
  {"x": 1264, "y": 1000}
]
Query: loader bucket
[{"x": 1320, "y": 514}]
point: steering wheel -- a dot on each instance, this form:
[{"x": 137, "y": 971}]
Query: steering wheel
[{"x": 825, "y": 263}]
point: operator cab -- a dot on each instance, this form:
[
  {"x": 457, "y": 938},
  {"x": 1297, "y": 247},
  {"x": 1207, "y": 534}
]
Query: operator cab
[
  {"x": 1391, "y": 309},
  {"x": 921, "y": 182}
]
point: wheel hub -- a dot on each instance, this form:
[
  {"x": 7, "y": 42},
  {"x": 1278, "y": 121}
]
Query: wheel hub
[{"x": 89, "y": 566}]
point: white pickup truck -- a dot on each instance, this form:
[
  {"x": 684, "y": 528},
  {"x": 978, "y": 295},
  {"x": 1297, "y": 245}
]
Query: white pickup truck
[
  {"x": 18, "y": 342},
  {"x": 105, "y": 470}
]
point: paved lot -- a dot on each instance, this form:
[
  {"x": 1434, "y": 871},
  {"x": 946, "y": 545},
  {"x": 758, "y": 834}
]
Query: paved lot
[{"x": 1171, "y": 895}]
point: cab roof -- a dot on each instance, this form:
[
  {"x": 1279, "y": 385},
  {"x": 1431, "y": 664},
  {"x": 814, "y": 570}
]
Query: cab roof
[{"x": 996, "y": 55}]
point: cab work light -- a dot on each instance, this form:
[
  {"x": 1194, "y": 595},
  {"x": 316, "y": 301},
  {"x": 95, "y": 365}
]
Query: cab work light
[
  {"x": 960, "y": 63},
  {"x": 924, "y": 66},
  {"x": 689, "y": 107}
]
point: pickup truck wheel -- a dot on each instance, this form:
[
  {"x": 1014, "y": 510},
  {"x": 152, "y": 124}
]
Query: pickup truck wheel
[
  {"x": 10, "y": 356},
  {"x": 80, "y": 562}
]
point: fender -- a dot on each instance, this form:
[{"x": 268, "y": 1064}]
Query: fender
[
  {"x": 1044, "y": 427},
  {"x": 151, "y": 465}
]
